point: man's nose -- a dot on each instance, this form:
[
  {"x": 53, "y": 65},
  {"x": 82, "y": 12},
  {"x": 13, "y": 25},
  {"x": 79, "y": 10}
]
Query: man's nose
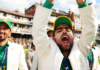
[
  {"x": 64, "y": 31},
  {"x": 1, "y": 30}
]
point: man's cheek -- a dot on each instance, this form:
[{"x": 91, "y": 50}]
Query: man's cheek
[
  {"x": 58, "y": 37},
  {"x": 70, "y": 34}
]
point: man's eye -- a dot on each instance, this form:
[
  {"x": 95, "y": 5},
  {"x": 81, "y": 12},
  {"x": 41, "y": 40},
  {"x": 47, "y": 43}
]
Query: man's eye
[
  {"x": 5, "y": 28},
  {"x": 59, "y": 31}
]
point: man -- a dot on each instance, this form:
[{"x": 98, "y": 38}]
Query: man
[
  {"x": 30, "y": 55},
  {"x": 10, "y": 38},
  {"x": 50, "y": 33},
  {"x": 94, "y": 43},
  {"x": 91, "y": 55},
  {"x": 11, "y": 55},
  {"x": 64, "y": 53}
]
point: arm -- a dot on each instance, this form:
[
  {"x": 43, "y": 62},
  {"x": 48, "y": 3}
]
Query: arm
[
  {"x": 39, "y": 30},
  {"x": 89, "y": 22},
  {"x": 28, "y": 60},
  {"x": 22, "y": 62}
]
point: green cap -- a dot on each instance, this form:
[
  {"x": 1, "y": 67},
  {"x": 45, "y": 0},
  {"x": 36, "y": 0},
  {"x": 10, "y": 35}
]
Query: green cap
[
  {"x": 63, "y": 20},
  {"x": 94, "y": 41},
  {"x": 6, "y": 22},
  {"x": 49, "y": 31}
]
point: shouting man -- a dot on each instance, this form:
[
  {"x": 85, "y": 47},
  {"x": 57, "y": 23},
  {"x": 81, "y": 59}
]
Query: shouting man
[{"x": 64, "y": 52}]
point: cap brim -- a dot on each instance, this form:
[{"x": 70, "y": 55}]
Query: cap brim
[
  {"x": 5, "y": 23},
  {"x": 63, "y": 20}
]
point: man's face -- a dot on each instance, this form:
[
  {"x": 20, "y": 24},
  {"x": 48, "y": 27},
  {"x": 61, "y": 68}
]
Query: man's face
[
  {"x": 4, "y": 31},
  {"x": 33, "y": 47},
  {"x": 9, "y": 38},
  {"x": 64, "y": 37},
  {"x": 50, "y": 34}
]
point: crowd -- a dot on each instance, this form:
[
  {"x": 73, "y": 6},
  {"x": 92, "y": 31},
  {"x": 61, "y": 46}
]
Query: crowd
[{"x": 56, "y": 49}]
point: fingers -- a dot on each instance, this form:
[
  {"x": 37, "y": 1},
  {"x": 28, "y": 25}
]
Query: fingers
[
  {"x": 52, "y": 1},
  {"x": 80, "y": 1}
]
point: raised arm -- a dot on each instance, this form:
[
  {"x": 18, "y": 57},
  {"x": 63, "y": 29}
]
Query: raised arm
[
  {"x": 89, "y": 23},
  {"x": 39, "y": 29}
]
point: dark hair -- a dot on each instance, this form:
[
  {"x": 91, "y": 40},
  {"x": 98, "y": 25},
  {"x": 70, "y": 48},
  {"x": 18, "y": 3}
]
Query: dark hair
[{"x": 32, "y": 44}]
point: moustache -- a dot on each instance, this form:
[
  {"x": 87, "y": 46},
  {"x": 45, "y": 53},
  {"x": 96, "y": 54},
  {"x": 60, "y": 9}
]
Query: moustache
[{"x": 1, "y": 32}]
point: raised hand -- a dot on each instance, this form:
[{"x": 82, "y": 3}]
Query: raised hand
[
  {"x": 52, "y": 1},
  {"x": 80, "y": 1}
]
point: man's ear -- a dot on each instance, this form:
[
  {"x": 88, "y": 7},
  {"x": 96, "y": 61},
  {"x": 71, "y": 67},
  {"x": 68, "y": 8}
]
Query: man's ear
[
  {"x": 10, "y": 33},
  {"x": 73, "y": 37}
]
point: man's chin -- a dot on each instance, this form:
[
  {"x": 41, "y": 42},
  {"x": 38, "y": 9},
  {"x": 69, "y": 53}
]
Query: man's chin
[
  {"x": 2, "y": 40},
  {"x": 66, "y": 48}
]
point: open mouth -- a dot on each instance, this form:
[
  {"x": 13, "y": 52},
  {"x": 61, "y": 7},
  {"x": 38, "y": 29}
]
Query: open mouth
[{"x": 65, "y": 40}]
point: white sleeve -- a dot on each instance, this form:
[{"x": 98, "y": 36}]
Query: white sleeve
[
  {"x": 39, "y": 30},
  {"x": 89, "y": 22}
]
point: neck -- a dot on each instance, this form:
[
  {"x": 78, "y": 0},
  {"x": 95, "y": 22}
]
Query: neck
[
  {"x": 65, "y": 53},
  {"x": 3, "y": 43}
]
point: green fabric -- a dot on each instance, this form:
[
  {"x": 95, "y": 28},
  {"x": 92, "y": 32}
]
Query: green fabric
[
  {"x": 63, "y": 20},
  {"x": 83, "y": 5},
  {"x": 48, "y": 4},
  {"x": 89, "y": 56},
  {"x": 6, "y": 22},
  {"x": 2, "y": 51},
  {"x": 94, "y": 41},
  {"x": 63, "y": 67},
  {"x": 49, "y": 31}
]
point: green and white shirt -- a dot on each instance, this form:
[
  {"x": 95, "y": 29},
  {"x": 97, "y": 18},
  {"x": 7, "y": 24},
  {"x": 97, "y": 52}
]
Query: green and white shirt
[{"x": 2, "y": 51}]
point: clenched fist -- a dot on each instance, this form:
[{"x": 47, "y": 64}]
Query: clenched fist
[
  {"x": 80, "y": 1},
  {"x": 52, "y": 1}
]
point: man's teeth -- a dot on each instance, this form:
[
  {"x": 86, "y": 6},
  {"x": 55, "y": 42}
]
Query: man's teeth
[{"x": 65, "y": 36}]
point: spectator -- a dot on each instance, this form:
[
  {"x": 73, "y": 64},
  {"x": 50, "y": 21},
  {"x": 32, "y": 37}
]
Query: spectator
[
  {"x": 10, "y": 38},
  {"x": 12, "y": 56},
  {"x": 30, "y": 55},
  {"x": 50, "y": 34},
  {"x": 64, "y": 53}
]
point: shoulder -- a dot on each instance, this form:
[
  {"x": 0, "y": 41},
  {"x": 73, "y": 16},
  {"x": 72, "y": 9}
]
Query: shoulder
[{"x": 15, "y": 46}]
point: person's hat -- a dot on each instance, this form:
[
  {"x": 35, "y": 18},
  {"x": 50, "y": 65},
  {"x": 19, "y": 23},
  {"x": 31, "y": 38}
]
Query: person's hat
[
  {"x": 63, "y": 20},
  {"x": 6, "y": 22},
  {"x": 94, "y": 41},
  {"x": 49, "y": 31}
]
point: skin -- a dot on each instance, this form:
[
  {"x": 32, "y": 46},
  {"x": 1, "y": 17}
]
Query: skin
[
  {"x": 50, "y": 34},
  {"x": 9, "y": 38},
  {"x": 62, "y": 31},
  {"x": 33, "y": 47},
  {"x": 4, "y": 33},
  {"x": 94, "y": 44}
]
